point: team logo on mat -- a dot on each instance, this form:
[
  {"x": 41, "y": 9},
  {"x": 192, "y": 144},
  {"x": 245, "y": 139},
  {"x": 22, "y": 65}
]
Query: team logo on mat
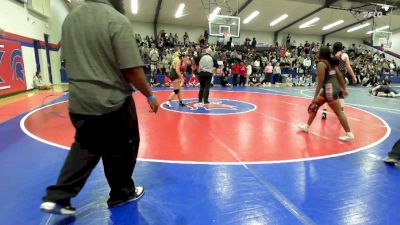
[{"x": 215, "y": 107}]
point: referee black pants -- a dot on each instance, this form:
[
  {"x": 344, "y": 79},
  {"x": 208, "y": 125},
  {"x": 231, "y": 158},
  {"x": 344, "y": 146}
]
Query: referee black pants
[
  {"x": 205, "y": 82},
  {"x": 113, "y": 137}
]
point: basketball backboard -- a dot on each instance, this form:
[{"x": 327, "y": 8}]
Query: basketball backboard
[
  {"x": 224, "y": 24},
  {"x": 382, "y": 39}
]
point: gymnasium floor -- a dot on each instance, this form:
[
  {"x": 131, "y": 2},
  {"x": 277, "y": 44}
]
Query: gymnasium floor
[{"x": 240, "y": 161}]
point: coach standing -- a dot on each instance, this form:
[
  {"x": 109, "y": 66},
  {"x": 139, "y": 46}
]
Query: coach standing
[
  {"x": 102, "y": 60},
  {"x": 207, "y": 66}
]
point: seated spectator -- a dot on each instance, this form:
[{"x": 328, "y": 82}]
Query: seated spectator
[
  {"x": 308, "y": 80},
  {"x": 39, "y": 84},
  {"x": 153, "y": 82},
  {"x": 193, "y": 81},
  {"x": 289, "y": 81},
  {"x": 384, "y": 91},
  {"x": 254, "y": 80},
  {"x": 298, "y": 80}
]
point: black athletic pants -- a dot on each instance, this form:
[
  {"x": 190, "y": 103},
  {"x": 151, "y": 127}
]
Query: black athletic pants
[
  {"x": 242, "y": 80},
  {"x": 395, "y": 153},
  {"x": 205, "y": 82},
  {"x": 113, "y": 137},
  {"x": 234, "y": 80}
]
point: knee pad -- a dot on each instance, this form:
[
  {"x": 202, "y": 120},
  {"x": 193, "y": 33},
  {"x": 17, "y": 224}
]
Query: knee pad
[
  {"x": 176, "y": 91},
  {"x": 313, "y": 107}
]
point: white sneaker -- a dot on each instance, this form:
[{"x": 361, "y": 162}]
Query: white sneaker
[
  {"x": 168, "y": 104},
  {"x": 52, "y": 207},
  {"x": 303, "y": 127},
  {"x": 348, "y": 137}
]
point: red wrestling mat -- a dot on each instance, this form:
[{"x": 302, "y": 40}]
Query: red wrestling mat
[
  {"x": 14, "y": 109},
  {"x": 265, "y": 132}
]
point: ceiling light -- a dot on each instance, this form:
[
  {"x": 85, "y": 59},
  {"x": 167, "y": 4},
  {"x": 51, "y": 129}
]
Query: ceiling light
[
  {"x": 214, "y": 14},
  {"x": 134, "y": 6},
  {"x": 358, "y": 27},
  {"x": 382, "y": 28},
  {"x": 179, "y": 11},
  {"x": 276, "y": 21},
  {"x": 308, "y": 23},
  {"x": 252, "y": 16},
  {"x": 379, "y": 29},
  {"x": 329, "y": 26}
]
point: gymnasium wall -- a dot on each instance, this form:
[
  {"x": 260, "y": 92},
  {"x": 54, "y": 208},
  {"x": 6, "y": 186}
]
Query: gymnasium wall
[{"x": 23, "y": 25}]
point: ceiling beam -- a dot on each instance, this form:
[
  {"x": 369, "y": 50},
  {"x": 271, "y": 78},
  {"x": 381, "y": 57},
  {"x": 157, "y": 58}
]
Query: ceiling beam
[
  {"x": 343, "y": 28},
  {"x": 327, "y": 4},
  {"x": 242, "y": 8},
  {"x": 158, "y": 9},
  {"x": 384, "y": 2}
]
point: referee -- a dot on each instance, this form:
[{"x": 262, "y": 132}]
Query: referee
[{"x": 207, "y": 66}]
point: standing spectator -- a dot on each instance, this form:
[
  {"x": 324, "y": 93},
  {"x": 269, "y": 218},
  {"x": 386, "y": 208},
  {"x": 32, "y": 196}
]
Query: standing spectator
[
  {"x": 242, "y": 73},
  {"x": 186, "y": 40},
  {"x": 249, "y": 71},
  {"x": 257, "y": 65},
  {"x": 307, "y": 64},
  {"x": 154, "y": 58},
  {"x": 254, "y": 43},
  {"x": 392, "y": 66},
  {"x": 277, "y": 72},
  {"x": 235, "y": 72},
  {"x": 106, "y": 127},
  {"x": 300, "y": 49},
  {"x": 206, "y": 70},
  {"x": 288, "y": 37},
  {"x": 268, "y": 75},
  {"x": 202, "y": 40},
  {"x": 206, "y": 35},
  {"x": 176, "y": 39}
]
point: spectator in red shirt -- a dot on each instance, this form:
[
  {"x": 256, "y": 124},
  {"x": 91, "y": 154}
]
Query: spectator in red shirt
[
  {"x": 242, "y": 73},
  {"x": 193, "y": 81},
  {"x": 235, "y": 72}
]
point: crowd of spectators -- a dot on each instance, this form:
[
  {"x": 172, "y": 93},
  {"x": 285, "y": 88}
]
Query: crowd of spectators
[{"x": 288, "y": 64}]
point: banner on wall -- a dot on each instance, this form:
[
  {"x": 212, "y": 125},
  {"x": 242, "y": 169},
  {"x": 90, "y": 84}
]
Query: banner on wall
[{"x": 12, "y": 73}]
